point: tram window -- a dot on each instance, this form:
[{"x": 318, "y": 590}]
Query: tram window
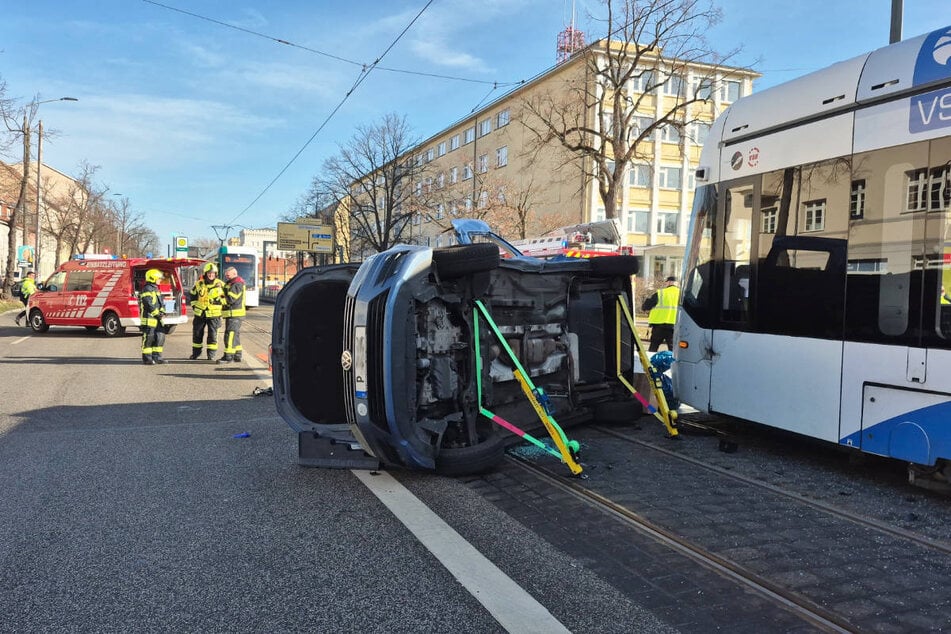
[{"x": 737, "y": 248}]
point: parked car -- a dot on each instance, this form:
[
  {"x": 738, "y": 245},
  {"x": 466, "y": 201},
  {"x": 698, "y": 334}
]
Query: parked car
[{"x": 386, "y": 349}]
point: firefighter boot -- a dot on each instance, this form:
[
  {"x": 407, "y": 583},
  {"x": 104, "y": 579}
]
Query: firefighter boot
[
  {"x": 157, "y": 359},
  {"x": 211, "y": 355},
  {"x": 147, "y": 359},
  {"x": 196, "y": 352},
  {"x": 237, "y": 357},
  {"x": 227, "y": 358}
]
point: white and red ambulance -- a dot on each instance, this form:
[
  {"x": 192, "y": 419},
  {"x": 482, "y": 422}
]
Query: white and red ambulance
[{"x": 102, "y": 291}]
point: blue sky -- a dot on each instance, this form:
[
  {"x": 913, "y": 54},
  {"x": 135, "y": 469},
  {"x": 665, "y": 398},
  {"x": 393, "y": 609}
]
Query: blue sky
[{"x": 191, "y": 120}]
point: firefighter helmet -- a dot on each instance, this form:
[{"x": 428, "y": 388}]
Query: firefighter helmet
[
  {"x": 210, "y": 266},
  {"x": 153, "y": 275}
]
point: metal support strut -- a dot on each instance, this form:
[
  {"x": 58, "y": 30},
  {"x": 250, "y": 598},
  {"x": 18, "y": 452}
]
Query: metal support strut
[
  {"x": 662, "y": 412},
  {"x": 567, "y": 449}
]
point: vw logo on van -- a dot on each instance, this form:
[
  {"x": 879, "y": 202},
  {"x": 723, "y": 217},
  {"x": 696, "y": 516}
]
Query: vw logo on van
[{"x": 346, "y": 361}]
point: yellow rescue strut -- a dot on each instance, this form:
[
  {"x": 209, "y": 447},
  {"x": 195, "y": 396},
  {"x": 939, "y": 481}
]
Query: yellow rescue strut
[{"x": 662, "y": 412}]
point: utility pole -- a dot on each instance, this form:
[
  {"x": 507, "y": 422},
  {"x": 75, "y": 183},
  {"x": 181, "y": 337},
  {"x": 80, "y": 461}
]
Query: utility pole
[
  {"x": 39, "y": 198},
  {"x": 895, "y": 32}
]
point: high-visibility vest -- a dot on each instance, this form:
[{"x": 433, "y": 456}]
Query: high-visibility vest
[
  {"x": 235, "y": 293},
  {"x": 27, "y": 287},
  {"x": 208, "y": 297},
  {"x": 665, "y": 312}
]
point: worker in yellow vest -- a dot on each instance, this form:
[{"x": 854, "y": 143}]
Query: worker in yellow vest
[
  {"x": 233, "y": 313},
  {"x": 663, "y": 314},
  {"x": 207, "y": 300}
]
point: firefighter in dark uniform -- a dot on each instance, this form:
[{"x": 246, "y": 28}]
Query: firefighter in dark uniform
[
  {"x": 151, "y": 311},
  {"x": 206, "y": 297},
  {"x": 233, "y": 313}
]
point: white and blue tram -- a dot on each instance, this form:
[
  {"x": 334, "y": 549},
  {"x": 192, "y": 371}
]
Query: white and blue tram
[{"x": 817, "y": 286}]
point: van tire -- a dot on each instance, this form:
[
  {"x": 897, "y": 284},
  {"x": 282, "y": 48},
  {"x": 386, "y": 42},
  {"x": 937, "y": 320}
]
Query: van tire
[
  {"x": 37, "y": 322},
  {"x": 170, "y": 329},
  {"x": 464, "y": 259},
  {"x": 112, "y": 325},
  {"x": 463, "y": 461},
  {"x": 611, "y": 265}
]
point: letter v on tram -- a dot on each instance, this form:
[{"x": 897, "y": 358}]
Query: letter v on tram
[
  {"x": 101, "y": 291},
  {"x": 817, "y": 286}
]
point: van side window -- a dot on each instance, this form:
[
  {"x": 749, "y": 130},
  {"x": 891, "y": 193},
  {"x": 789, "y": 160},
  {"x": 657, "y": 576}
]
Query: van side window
[
  {"x": 55, "y": 282},
  {"x": 79, "y": 281}
]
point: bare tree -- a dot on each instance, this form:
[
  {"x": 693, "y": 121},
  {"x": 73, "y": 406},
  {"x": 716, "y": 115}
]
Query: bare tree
[
  {"x": 375, "y": 180},
  {"x": 11, "y": 115},
  {"x": 601, "y": 117}
]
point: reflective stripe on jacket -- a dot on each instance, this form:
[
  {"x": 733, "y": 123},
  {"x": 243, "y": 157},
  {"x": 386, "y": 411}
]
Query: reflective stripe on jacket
[
  {"x": 151, "y": 308},
  {"x": 207, "y": 298},
  {"x": 235, "y": 293},
  {"x": 666, "y": 310}
]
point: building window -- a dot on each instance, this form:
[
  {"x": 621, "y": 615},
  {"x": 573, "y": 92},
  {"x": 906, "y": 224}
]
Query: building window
[
  {"x": 815, "y": 215},
  {"x": 929, "y": 189},
  {"x": 769, "y": 220},
  {"x": 598, "y": 215},
  {"x": 415, "y": 219},
  {"x": 674, "y": 85},
  {"x": 638, "y": 221},
  {"x": 483, "y": 163},
  {"x": 502, "y": 156},
  {"x": 485, "y": 126},
  {"x": 441, "y": 149},
  {"x": 453, "y": 175},
  {"x": 430, "y": 155},
  {"x": 440, "y": 211},
  {"x": 703, "y": 88},
  {"x": 467, "y": 204},
  {"x": 483, "y": 200},
  {"x": 467, "y": 171},
  {"x": 667, "y": 222},
  {"x": 670, "y": 133},
  {"x": 639, "y": 176},
  {"x": 454, "y": 142},
  {"x": 699, "y": 132},
  {"x": 857, "y": 199},
  {"x": 730, "y": 91},
  {"x": 418, "y": 188},
  {"x": 638, "y": 125},
  {"x": 441, "y": 180},
  {"x": 469, "y": 136},
  {"x": 642, "y": 81},
  {"x": 669, "y": 177},
  {"x": 502, "y": 119},
  {"x": 419, "y": 159},
  {"x": 607, "y": 123}
]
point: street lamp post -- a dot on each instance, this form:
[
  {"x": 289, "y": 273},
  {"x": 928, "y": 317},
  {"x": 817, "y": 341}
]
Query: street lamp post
[{"x": 39, "y": 187}]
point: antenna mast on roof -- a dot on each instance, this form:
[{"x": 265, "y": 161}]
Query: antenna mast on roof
[{"x": 570, "y": 40}]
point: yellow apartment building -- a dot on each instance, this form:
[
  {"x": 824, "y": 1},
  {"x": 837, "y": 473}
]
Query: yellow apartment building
[{"x": 491, "y": 157}]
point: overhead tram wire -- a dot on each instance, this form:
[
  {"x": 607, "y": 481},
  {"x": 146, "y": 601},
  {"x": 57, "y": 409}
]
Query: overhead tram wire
[
  {"x": 315, "y": 51},
  {"x": 364, "y": 73}
]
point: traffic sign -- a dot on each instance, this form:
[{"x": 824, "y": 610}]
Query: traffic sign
[{"x": 298, "y": 236}]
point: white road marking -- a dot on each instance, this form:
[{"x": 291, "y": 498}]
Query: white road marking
[
  {"x": 20, "y": 340},
  {"x": 514, "y": 608}
]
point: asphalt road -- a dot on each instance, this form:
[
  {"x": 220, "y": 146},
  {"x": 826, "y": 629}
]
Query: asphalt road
[{"x": 128, "y": 504}]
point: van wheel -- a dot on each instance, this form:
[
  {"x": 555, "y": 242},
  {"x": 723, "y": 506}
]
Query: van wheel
[
  {"x": 462, "y": 461},
  {"x": 464, "y": 259},
  {"x": 170, "y": 329},
  {"x": 37, "y": 323},
  {"x": 112, "y": 326}
]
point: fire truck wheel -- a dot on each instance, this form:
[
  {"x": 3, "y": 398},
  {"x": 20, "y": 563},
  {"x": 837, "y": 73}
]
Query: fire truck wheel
[
  {"x": 111, "y": 324},
  {"x": 463, "y": 259},
  {"x": 37, "y": 323},
  {"x": 614, "y": 265}
]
